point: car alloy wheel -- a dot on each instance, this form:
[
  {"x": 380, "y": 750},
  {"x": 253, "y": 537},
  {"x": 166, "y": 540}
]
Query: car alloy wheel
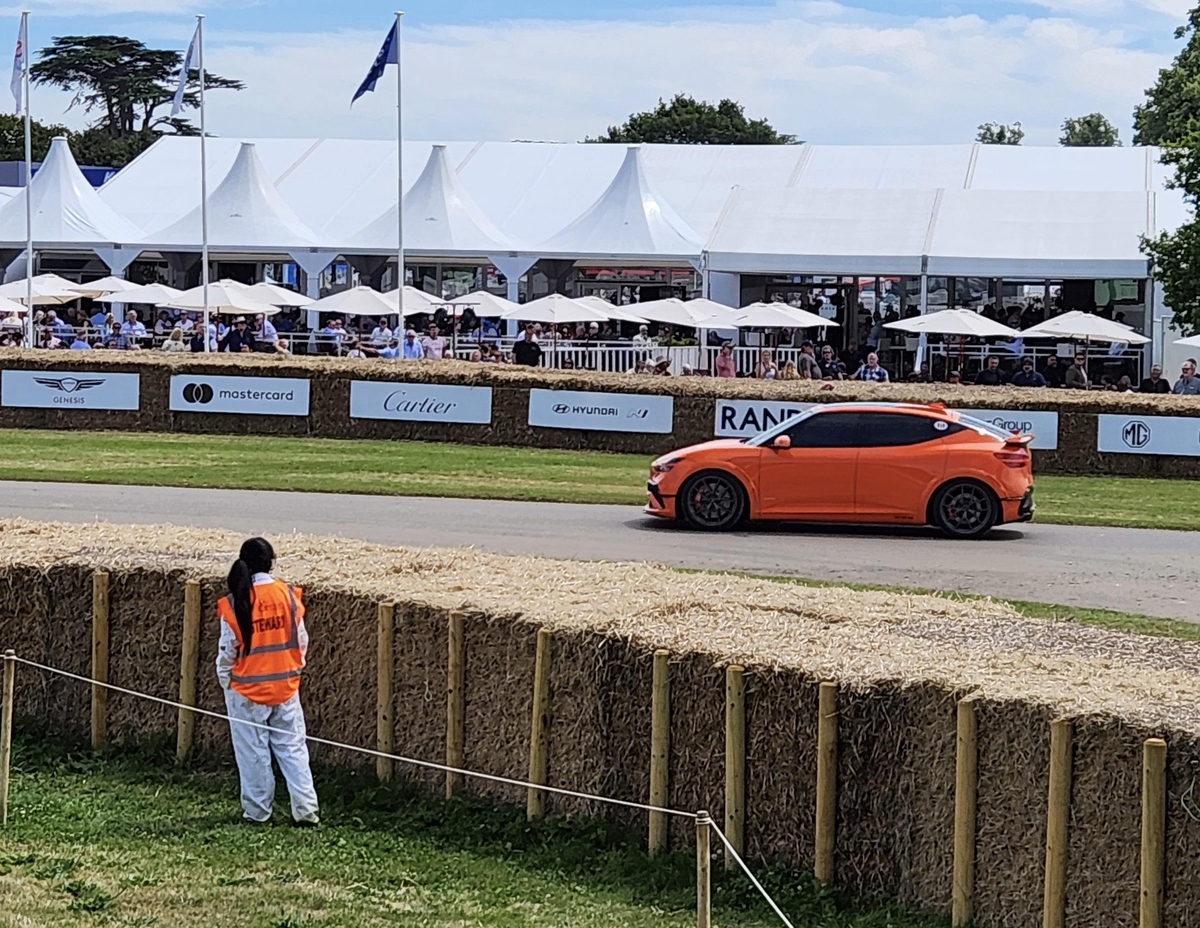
[
  {"x": 965, "y": 510},
  {"x": 713, "y": 501}
]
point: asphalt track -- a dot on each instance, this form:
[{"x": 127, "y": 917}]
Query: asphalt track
[{"x": 1130, "y": 570}]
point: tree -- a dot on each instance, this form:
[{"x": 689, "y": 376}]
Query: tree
[
  {"x": 12, "y": 138},
  {"x": 123, "y": 80},
  {"x": 997, "y": 133},
  {"x": 696, "y": 122},
  {"x": 1174, "y": 100},
  {"x": 1176, "y": 255},
  {"x": 1090, "y": 131}
]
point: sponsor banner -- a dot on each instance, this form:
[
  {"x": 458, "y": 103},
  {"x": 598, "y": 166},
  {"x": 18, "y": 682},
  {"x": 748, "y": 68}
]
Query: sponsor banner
[
  {"x": 746, "y": 418},
  {"x": 420, "y": 402},
  {"x": 258, "y": 396},
  {"x": 1149, "y": 435},
  {"x": 1042, "y": 425},
  {"x": 605, "y": 412},
  {"x": 69, "y": 390}
]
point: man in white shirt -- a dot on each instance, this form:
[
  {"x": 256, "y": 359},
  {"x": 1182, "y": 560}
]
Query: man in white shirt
[
  {"x": 264, "y": 331},
  {"x": 411, "y": 349},
  {"x": 381, "y": 334},
  {"x": 643, "y": 339},
  {"x": 131, "y": 330},
  {"x": 433, "y": 346}
]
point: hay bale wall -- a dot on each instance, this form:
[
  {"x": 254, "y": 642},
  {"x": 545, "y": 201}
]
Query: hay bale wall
[
  {"x": 901, "y": 662},
  {"x": 695, "y": 405}
]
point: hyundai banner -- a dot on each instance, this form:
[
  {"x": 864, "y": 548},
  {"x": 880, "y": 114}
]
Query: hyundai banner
[
  {"x": 420, "y": 402},
  {"x": 256, "y": 396},
  {"x": 1149, "y": 435},
  {"x": 69, "y": 390},
  {"x": 605, "y": 412}
]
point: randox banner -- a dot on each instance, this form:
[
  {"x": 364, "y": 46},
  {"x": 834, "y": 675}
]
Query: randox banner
[
  {"x": 420, "y": 402},
  {"x": 605, "y": 412},
  {"x": 1148, "y": 435},
  {"x": 253, "y": 396},
  {"x": 69, "y": 390}
]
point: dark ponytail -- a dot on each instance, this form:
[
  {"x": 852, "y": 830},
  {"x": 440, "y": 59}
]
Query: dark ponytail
[{"x": 256, "y": 557}]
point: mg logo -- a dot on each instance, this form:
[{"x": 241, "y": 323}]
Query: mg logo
[{"x": 1136, "y": 434}]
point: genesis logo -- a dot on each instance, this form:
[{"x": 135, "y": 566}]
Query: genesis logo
[
  {"x": 68, "y": 384},
  {"x": 1136, "y": 434},
  {"x": 561, "y": 409},
  {"x": 198, "y": 393}
]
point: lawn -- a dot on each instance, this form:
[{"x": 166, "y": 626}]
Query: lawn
[
  {"x": 126, "y": 840},
  {"x": 475, "y": 472}
]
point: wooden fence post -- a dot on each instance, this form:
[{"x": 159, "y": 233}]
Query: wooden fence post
[
  {"x": 6, "y": 721},
  {"x": 385, "y": 630},
  {"x": 966, "y": 784},
  {"x": 456, "y": 702},
  {"x": 660, "y": 749},
  {"x": 703, "y": 871},
  {"x": 735, "y": 762},
  {"x": 99, "y": 659},
  {"x": 826, "y": 825},
  {"x": 1154, "y": 827},
  {"x": 1058, "y": 819},
  {"x": 189, "y": 667},
  {"x": 539, "y": 741}
]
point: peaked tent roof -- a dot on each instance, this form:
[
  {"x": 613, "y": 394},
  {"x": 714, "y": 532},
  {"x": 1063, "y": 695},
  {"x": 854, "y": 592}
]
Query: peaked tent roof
[
  {"x": 67, "y": 210},
  {"x": 440, "y": 218},
  {"x": 245, "y": 213},
  {"x": 630, "y": 220}
]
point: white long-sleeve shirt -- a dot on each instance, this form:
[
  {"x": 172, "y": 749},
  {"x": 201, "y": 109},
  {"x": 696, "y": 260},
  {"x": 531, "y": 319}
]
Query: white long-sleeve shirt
[{"x": 227, "y": 647}]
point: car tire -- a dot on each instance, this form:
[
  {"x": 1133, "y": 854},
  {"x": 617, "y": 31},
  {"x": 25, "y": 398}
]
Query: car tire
[
  {"x": 713, "y": 501},
  {"x": 964, "y": 509}
]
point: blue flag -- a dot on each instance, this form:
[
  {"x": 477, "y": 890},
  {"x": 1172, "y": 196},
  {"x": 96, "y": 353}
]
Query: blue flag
[{"x": 389, "y": 54}]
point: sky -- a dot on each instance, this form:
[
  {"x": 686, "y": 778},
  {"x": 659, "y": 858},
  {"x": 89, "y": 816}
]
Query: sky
[{"x": 854, "y": 72}]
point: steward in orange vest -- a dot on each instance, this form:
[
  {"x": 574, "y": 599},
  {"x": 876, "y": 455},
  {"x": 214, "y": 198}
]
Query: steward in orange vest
[{"x": 268, "y": 672}]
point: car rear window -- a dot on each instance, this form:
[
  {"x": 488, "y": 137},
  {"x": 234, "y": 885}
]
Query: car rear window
[{"x": 986, "y": 427}]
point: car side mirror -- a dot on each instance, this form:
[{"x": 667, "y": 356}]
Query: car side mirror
[{"x": 780, "y": 442}]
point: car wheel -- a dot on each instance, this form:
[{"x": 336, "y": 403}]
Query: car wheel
[
  {"x": 965, "y": 509},
  {"x": 713, "y": 502}
]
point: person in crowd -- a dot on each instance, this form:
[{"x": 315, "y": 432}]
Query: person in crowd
[
  {"x": 261, "y": 654},
  {"x": 789, "y": 371},
  {"x": 239, "y": 339},
  {"x": 1188, "y": 383},
  {"x": 643, "y": 339},
  {"x": 1076, "y": 377},
  {"x": 63, "y": 330},
  {"x": 12, "y": 322},
  {"x": 476, "y": 356},
  {"x": 527, "y": 351},
  {"x": 809, "y": 367},
  {"x": 283, "y": 347},
  {"x": 163, "y": 325},
  {"x": 1053, "y": 372},
  {"x": 47, "y": 339},
  {"x": 131, "y": 331},
  {"x": 1027, "y": 376},
  {"x": 494, "y": 355},
  {"x": 265, "y": 334},
  {"x": 954, "y": 377},
  {"x": 391, "y": 351},
  {"x": 188, "y": 323},
  {"x": 724, "y": 365},
  {"x": 99, "y": 317},
  {"x": 831, "y": 368},
  {"x": 356, "y": 351},
  {"x": 1125, "y": 385},
  {"x": 1155, "y": 383},
  {"x": 79, "y": 343},
  {"x": 661, "y": 368},
  {"x": 411, "y": 349},
  {"x": 991, "y": 375},
  {"x": 433, "y": 346},
  {"x": 766, "y": 368},
  {"x": 381, "y": 335},
  {"x": 871, "y": 370},
  {"x": 175, "y": 342}
]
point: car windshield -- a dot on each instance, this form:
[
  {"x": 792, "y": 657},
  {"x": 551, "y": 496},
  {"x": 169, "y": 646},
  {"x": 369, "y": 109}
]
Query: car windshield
[{"x": 985, "y": 427}]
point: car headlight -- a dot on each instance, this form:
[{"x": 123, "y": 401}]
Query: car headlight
[{"x": 665, "y": 466}]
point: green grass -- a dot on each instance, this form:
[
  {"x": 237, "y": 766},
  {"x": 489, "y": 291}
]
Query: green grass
[
  {"x": 125, "y": 840},
  {"x": 474, "y": 472}
]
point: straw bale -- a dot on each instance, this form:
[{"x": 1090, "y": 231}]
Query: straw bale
[
  {"x": 697, "y": 759},
  {"x": 419, "y": 685},
  {"x": 1183, "y": 830}
]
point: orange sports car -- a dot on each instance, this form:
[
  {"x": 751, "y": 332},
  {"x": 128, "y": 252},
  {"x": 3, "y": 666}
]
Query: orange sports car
[{"x": 883, "y": 463}]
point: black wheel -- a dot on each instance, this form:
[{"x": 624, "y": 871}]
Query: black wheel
[
  {"x": 965, "y": 509},
  {"x": 713, "y": 502}
]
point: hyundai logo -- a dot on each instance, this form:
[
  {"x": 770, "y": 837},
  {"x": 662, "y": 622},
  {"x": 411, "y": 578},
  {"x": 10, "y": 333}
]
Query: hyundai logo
[
  {"x": 198, "y": 393},
  {"x": 1136, "y": 434},
  {"x": 68, "y": 384},
  {"x": 561, "y": 409}
]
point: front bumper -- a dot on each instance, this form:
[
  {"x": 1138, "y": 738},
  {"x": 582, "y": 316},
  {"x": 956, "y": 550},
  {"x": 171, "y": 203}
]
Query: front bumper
[{"x": 658, "y": 504}]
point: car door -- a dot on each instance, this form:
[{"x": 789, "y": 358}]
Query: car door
[
  {"x": 814, "y": 478},
  {"x": 902, "y": 458}
]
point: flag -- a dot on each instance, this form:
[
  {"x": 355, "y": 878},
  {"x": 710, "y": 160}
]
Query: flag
[
  {"x": 389, "y": 54},
  {"x": 177, "y": 105},
  {"x": 20, "y": 62}
]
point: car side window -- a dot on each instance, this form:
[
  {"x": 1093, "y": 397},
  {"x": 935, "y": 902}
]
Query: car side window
[
  {"x": 895, "y": 429},
  {"x": 826, "y": 430}
]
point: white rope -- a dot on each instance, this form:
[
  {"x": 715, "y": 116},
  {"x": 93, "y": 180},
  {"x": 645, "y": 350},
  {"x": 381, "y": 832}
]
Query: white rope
[{"x": 741, "y": 863}]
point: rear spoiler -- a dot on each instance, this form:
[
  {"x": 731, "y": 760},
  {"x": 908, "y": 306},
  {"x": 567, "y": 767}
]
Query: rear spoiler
[{"x": 1016, "y": 438}]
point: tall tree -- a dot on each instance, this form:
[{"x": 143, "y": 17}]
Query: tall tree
[
  {"x": 1176, "y": 255},
  {"x": 12, "y": 138},
  {"x": 122, "y": 80},
  {"x": 1174, "y": 100},
  {"x": 688, "y": 121},
  {"x": 1090, "y": 131},
  {"x": 998, "y": 133}
]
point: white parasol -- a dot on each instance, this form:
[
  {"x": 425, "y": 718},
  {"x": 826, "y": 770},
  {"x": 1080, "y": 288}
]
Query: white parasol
[
  {"x": 1085, "y": 327},
  {"x": 780, "y": 316},
  {"x": 152, "y": 294},
  {"x": 964, "y": 322}
]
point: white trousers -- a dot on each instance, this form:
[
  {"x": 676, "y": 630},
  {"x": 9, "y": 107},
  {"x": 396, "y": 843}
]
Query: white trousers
[{"x": 253, "y": 748}]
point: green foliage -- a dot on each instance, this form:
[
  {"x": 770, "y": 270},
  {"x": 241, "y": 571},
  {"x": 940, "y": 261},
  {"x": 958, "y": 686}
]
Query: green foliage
[
  {"x": 1174, "y": 100},
  {"x": 688, "y": 121},
  {"x": 998, "y": 133},
  {"x": 1090, "y": 131},
  {"x": 1176, "y": 255},
  {"x": 12, "y": 138}
]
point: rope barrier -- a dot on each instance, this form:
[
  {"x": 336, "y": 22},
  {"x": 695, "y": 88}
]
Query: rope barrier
[{"x": 741, "y": 863}]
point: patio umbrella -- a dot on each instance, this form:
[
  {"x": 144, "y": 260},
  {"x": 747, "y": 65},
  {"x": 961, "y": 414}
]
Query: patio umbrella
[
  {"x": 48, "y": 290},
  {"x": 780, "y": 316},
  {"x": 417, "y": 302},
  {"x": 357, "y": 301},
  {"x": 280, "y": 296},
  {"x": 1192, "y": 341},
  {"x": 693, "y": 314},
  {"x": 1086, "y": 327},
  {"x": 153, "y": 294},
  {"x": 610, "y": 310},
  {"x": 94, "y": 289},
  {"x": 485, "y": 305},
  {"x": 954, "y": 322},
  {"x": 224, "y": 296},
  {"x": 555, "y": 309}
]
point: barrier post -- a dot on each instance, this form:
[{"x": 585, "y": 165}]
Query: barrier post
[
  {"x": 456, "y": 702},
  {"x": 99, "y": 659},
  {"x": 6, "y": 719},
  {"x": 966, "y": 783},
  {"x": 735, "y": 762},
  {"x": 189, "y": 666},
  {"x": 539, "y": 742},
  {"x": 660, "y": 749},
  {"x": 1154, "y": 826},
  {"x": 384, "y": 663},
  {"x": 703, "y": 871},
  {"x": 826, "y": 824},
  {"x": 1058, "y": 818}
]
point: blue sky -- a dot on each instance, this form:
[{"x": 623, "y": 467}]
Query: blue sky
[{"x": 859, "y": 71}]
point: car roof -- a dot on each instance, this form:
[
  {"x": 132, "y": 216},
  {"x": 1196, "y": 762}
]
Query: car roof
[{"x": 929, "y": 409}]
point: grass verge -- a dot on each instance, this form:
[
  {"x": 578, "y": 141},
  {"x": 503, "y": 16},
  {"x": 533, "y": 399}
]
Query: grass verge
[
  {"x": 125, "y": 839},
  {"x": 474, "y": 472}
]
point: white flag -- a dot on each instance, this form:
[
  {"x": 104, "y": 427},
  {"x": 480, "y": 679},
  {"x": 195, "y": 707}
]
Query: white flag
[
  {"x": 183, "y": 73},
  {"x": 20, "y": 62}
]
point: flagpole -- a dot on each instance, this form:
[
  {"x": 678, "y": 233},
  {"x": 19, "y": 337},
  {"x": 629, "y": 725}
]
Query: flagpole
[
  {"x": 400, "y": 169},
  {"x": 203, "y": 182},
  {"x": 28, "y": 179}
]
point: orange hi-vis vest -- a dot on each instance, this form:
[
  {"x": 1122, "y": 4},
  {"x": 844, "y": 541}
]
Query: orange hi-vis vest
[{"x": 268, "y": 673}]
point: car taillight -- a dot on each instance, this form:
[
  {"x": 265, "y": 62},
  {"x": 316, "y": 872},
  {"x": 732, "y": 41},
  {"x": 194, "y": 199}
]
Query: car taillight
[{"x": 1012, "y": 458}]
